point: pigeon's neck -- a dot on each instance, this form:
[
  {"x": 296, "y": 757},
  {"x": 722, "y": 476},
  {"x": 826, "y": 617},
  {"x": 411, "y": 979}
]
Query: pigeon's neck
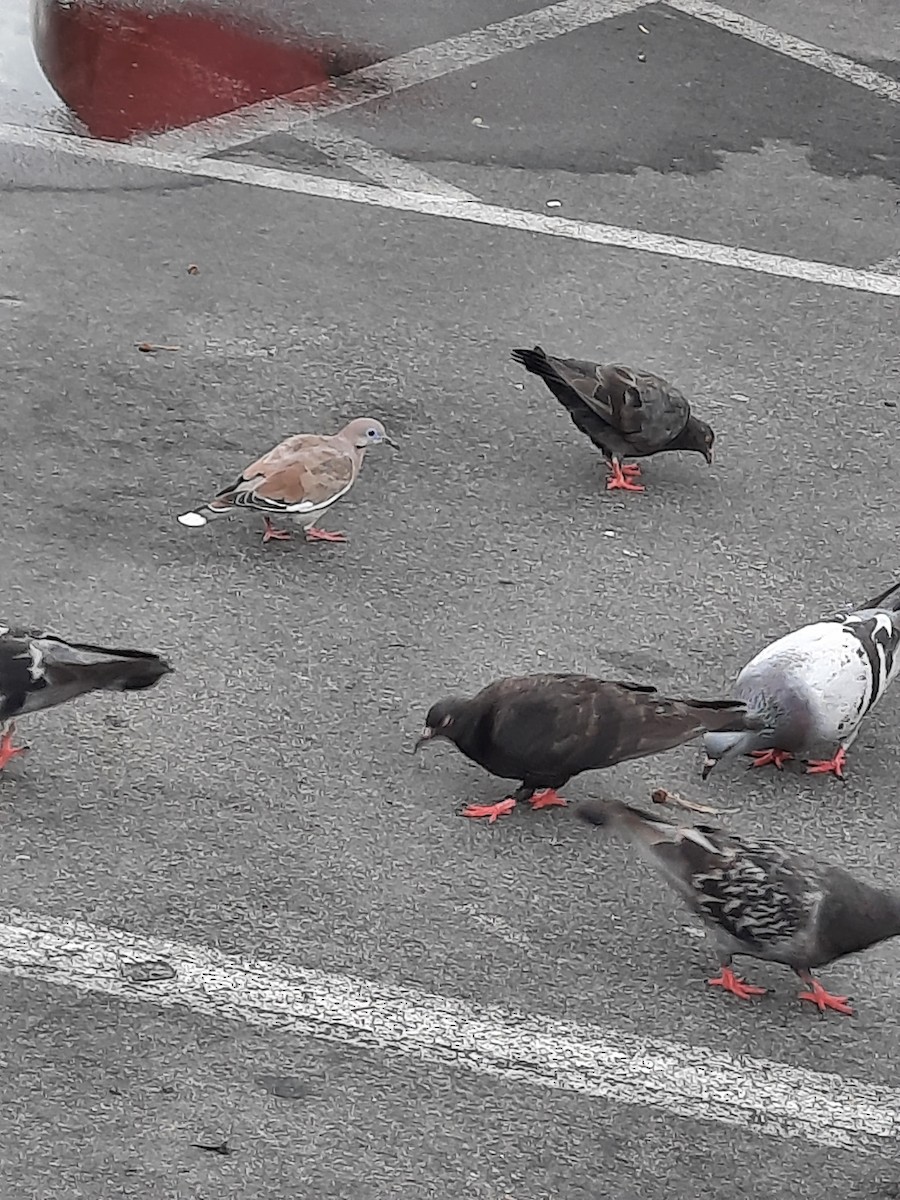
[{"x": 690, "y": 438}]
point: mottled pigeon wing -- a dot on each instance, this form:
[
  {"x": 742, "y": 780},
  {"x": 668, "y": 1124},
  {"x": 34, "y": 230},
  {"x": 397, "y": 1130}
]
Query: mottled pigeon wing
[{"x": 302, "y": 474}]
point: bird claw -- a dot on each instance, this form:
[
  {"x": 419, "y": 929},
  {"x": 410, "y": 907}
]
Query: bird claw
[
  {"x": 547, "y": 798},
  {"x": 272, "y": 534},
  {"x": 7, "y": 750},
  {"x": 730, "y": 982},
  {"x": 817, "y": 995},
  {"x": 491, "y": 811},
  {"x": 622, "y": 484},
  {"x": 828, "y": 766},
  {"x": 323, "y": 535},
  {"x": 765, "y": 758}
]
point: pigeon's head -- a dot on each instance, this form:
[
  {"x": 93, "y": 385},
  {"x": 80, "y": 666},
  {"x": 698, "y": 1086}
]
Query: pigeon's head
[
  {"x": 718, "y": 746},
  {"x": 441, "y": 719},
  {"x": 696, "y": 435},
  {"x": 366, "y": 431}
]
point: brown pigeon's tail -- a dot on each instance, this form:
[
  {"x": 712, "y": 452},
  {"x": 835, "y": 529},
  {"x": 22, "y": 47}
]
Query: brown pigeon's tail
[
  {"x": 537, "y": 362},
  {"x": 590, "y": 423},
  {"x": 723, "y": 716}
]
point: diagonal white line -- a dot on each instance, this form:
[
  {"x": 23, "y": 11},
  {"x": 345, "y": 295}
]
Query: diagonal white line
[
  {"x": 737, "y": 257},
  {"x": 793, "y": 47},
  {"x": 688, "y": 1081},
  {"x": 384, "y": 79}
]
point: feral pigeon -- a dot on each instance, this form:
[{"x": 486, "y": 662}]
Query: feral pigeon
[
  {"x": 813, "y": 687},
  {"x": 626, "y": 413},
  {"x": 39, "y": 670},
  {"x": 543, "y": 729},
  {"x": 760, "y": 899},
  {"x": 300, "y": 478}
]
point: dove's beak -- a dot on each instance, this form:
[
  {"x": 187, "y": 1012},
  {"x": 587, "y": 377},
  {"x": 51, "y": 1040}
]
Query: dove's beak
[
  {"x": 425, "y": 736},
  {"x": 708, "y": 764},
  {"x": 390, "y": 441}
]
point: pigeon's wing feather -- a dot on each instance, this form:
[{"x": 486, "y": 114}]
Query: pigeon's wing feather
[{"x": 305, "y": 473}]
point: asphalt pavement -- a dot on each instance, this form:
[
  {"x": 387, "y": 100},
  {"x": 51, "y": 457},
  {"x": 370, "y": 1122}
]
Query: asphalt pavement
[{"x": 262, "y": 800}]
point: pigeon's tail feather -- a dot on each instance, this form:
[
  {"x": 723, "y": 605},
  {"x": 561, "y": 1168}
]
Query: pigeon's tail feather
[
  {"x": 583, "y": 417},
  {"x": 536, "y": 361},
  {"x": 205, "y": 513},
  {"x": 609, "y": 813},
  {"x": 888, "y": 599},
  {"x": 124, "y": 671},
  {"x": 725, "y": 716}
]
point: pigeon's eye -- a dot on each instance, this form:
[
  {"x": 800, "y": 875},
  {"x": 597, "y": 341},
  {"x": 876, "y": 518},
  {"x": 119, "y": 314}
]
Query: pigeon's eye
[{"x": 373, "y": 433}]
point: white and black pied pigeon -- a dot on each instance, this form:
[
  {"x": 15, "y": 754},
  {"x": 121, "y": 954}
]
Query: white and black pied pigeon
[
  {"x": 39, "y": 670},
  {"x": 760, "y": 899},
  {"x": 813, "y": 688}
]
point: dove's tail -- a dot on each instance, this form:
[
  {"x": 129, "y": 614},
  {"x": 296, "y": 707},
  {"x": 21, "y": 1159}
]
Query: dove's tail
[
  {"x": 888, "y": 599},
  {"x": 724, "y": 716},
  {"x": 206, "y": 513}
]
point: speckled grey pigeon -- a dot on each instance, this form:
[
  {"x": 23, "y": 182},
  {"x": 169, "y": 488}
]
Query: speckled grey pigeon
[
  {"x": 813, "y": 687},
  {"x": 39, "y": 670},
  {"x": 626, "y": 413},
  {"x": 300, "y": 478},
  {"x": 760, "y": 899},
  {"x": 544, "y": 729}
]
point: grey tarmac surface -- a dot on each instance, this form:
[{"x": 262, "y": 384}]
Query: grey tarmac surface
[{"x": 261, "y": 800}]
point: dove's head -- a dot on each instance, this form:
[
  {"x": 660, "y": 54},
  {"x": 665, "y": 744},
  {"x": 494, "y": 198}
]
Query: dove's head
[
  {"x": 365, "y": 432},
  {"x": 718, "y": 746},
  {"x": 441, "y": 720},
  {"x": 698, "y": 436}
]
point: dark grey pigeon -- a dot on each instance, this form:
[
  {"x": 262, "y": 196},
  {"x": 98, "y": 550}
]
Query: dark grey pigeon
[
  {"x": 761, "y": 899},
  {"x": 39, "y": 670},
  {"x": 626, "y": 413},
  {"x": 813, "y": 687},
  {"x": 544, "y": 729}
]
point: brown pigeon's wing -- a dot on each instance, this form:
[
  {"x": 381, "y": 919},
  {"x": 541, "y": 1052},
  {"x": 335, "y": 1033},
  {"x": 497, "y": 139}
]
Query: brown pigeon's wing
[
  {"x": 659, "y": 409},
  {"x": 302, "y": 474}
]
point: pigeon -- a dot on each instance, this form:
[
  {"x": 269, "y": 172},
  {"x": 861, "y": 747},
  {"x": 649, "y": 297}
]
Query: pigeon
[
  {"x": 626, "y": 413},
  {"x": 761, "y": 899},
  {"x": 39, "y": 670},
  {"x": 813, "y": 687},
  {"x": 543, "y": 729},
  {"x": 300, "y": 478}
]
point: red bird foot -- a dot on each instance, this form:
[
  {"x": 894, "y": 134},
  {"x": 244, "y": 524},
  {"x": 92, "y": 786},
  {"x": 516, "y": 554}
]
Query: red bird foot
[
  {"x": 7, "y": 750},
  {"x": 730, "y": 982},
  {"x": 829, "y": 766},
  {"x": 622, "y": 477},
  {"x": 274, "y": 535},
  {"x": 547, "y": 798},
  {"x": 323, "y": 535},
  {"x": 822, "y": 999},
  {"x": 765, "y": 758},
  {"x": 491, "y": 811}
]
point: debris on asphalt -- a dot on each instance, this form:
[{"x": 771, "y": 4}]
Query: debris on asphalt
[
  {"x": 151, "y": 347},
  {"x": 554, "y": 203},
  {"x": 286, "y": 1087},
  {"x": 193, "y": 269},
  {"x": 214, "y": 1147},
  {"x": 149, "y": 971},
  {"x": 661, "y": 796}
]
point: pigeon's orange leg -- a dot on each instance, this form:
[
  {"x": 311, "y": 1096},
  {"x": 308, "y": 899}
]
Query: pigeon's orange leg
[
  {"x": 547, "y": 798},
  {"x": 822, "y": 999},
  {"x": 621, "y": 477},
  {"x": 7, "y": 750},
  {"x": 323, "y": 535},
  {"x": 491, "y": 811},
  {"x": 730, "y": 982},
  {"x": 274, "y": 535},
  {"x": 765, "y": 758},
  {"x": 829, "y": 766}
]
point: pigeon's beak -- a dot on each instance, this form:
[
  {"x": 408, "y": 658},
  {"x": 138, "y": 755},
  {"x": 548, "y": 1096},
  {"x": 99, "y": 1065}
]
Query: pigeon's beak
[
  {"x": 707, "y": 454},
  {"x": 708, "y": 764},
  {"x": 390, "y": 441},
  {"x": 425, "y": 736}
]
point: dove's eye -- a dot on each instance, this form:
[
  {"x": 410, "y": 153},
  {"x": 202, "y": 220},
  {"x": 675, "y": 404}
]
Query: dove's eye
[{"x": 373, "y": 433}]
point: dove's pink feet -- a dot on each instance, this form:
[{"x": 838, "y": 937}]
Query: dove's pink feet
[
  {"x": 274, "y": 535},
  {"x": 7, "y": 750},
  {"x": 828, "y": 766},
  {"x": 491, "y": 811},
  {"x": 323, "y": 535},
  {"x": 822, "y": 999},
  {"x": 766, "y": 758},
  {"x": 547, "y": 798},
  {"x": 730, "y": 982},
  {"x": 622, "y": 476}
]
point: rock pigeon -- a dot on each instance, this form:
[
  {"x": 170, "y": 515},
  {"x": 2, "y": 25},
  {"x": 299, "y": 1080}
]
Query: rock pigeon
[
  {"x": 543, "y": 729},
  {"x": 813, "y": 687},
  {"x": 626, "y": 413},
  {"x": 760, "y": 899},
  {"x": 300, "y": 478},
  {"x": 39, "y": 670}
]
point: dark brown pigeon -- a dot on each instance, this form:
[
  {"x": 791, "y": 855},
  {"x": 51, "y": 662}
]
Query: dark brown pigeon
[
  {"x": 626, "y": 413},
  {"x": 543, "y": 729},
  {"x": 761, "y": 899},
  {"x": 38, "y": 670}
]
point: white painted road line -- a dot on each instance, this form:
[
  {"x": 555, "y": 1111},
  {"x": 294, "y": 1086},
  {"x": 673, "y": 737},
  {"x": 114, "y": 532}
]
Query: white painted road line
[
  {"x": 385, "y": 79},
  {"x": 734, "y": 257},
  {"x": 889, "y": 265},
  {"x": 771, "y": 1098},
  {"x": 793, "y": 47}
]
